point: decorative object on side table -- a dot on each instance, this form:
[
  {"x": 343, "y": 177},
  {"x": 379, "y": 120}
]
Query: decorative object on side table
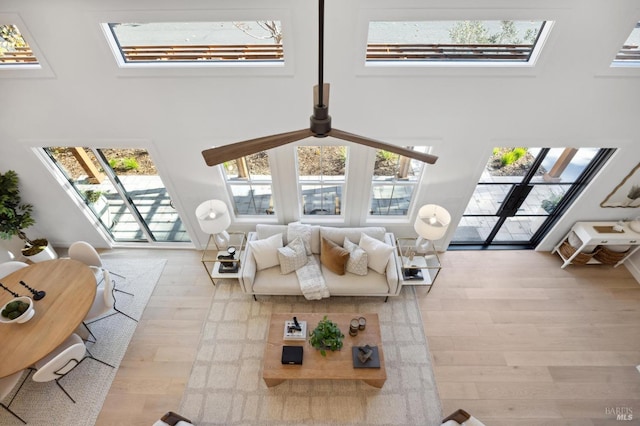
[{"x": 325, "y": 336}]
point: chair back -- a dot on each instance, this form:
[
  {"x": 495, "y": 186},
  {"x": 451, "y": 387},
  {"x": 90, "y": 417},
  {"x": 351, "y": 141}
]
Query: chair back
[
  {"x": 84, "y": 252},
  {"x": 8, "y": 383},
  {"x": 109, "y": 297},
  {"x": 61, "y": 360},
  {"x": 11, "y": 266}
]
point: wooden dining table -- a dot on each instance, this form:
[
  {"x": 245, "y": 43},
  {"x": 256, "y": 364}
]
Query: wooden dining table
[{"x": 70, "y": 288}]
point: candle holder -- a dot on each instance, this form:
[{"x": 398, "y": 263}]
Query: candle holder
[
  {"x": 353, "y": 327},
  {"x": 14, "y": 294},
  {"x": 37, "y": 295}
]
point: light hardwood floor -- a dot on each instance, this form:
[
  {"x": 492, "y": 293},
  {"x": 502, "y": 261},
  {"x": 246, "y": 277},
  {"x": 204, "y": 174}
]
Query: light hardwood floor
[{"x": 515, "y": 340}]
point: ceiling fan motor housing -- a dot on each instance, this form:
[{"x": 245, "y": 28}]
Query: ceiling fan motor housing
[{"x": 320, "y": 121}]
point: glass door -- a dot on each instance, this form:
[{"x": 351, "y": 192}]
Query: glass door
[
  {"x": 522, "y": 191},
  {"x": 121, "y": 187}
]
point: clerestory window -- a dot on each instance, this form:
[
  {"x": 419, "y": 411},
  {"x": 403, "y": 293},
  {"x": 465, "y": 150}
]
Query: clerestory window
[
  {"x": 455, "y": 42},
  {"x": 14, "y": 50},
  {"x": 162, "y": 43},
  {"x": 629, "y": 53}
]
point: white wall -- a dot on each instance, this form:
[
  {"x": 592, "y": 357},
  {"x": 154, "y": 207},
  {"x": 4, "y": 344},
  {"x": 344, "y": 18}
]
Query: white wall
[{"x": 570, "y": 98}]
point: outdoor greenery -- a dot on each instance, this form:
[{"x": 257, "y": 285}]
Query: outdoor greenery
[
  {"x": 124, "y": 164},
  {"x": 10, "y": 38},
  {"x": 475, "y": 32},
  {"x": 92, "y": 196},
  {"x": 550, "y": 204},
  {"x": 513, "y": 155},
  {"x": 634, "y": 192},
  {"x": 325, "y": 336}
]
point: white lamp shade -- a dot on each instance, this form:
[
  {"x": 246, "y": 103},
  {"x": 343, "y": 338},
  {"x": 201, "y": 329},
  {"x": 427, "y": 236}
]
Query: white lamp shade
[
  {"x": 432, "y": 222},
  {"x": 213, "y": 216}
]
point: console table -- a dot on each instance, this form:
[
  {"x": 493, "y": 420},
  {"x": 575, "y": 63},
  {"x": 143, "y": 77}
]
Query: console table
[{"x": 590, "y": 237}]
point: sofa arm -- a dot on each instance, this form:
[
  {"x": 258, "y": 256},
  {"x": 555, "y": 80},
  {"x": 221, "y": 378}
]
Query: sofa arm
[
  {"x": 392, "y": 265},
  {"x": 249, "y": 267}
]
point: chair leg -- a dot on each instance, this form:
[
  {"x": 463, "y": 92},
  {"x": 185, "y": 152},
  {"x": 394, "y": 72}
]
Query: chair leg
[
  {"x": 128, "y": 316},
  {"x": 122, "y": 291},
  {"x": 95, "y": 339},
  {"x": 14, "y": 414},
  {"x": 99, "y": 360},
  {"x": 64, "y": 390}
]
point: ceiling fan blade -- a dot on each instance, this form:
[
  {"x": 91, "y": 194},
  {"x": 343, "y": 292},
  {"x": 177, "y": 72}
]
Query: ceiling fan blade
[
  {"x": 420, "y": 156},
  {"x": 219, "y": 155}
]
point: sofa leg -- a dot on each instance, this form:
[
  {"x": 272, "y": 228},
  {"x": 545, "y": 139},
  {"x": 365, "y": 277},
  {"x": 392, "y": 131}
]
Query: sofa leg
[
  {"x": 385, "y": 299},
  {"x": 255, "y": 298}
]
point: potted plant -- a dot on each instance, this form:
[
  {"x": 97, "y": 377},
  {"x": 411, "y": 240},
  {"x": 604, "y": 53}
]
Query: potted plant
[
  {"x": 325, "y": 336},
  {"x": 15, "y": 216}
]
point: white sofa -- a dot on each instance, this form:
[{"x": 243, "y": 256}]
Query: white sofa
[{"x": 271, "y": 281}]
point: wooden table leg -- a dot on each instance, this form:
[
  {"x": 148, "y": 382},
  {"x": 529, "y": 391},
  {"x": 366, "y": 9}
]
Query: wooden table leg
[
  {"x": 272, "y": 382},
  {"x": 376, "y": 383}
]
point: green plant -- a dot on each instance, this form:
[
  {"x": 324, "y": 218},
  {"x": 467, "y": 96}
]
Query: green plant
[
  {"x": 551, "y": 203},
  {"x": 14, "y": 215},
  {"x": 326, "y": 335},
  {"x": 519, "y": 152},
  {"x": 130, "y": 163},
  {"x": 92, "y": 196},
  {"x": 387, "y": 155},
  {"x": 508, "y": 158},
  {"x": 634, "y": 192}
]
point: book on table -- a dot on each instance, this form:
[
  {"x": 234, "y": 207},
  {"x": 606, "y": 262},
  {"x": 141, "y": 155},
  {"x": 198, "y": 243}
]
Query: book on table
[{"x": 292, "y": 333}]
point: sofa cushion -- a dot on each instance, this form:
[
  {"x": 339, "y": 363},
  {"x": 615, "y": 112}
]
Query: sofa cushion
[
  {"x": 377, "y": 253},
  {"x": 333, "y": 257},
  {"x": 292, "y": 257},
  {"x": 265, "y": 252},
  {"x": 358, "y": 259},
  {"x": 297, "y": 229},
  {"x": 337, "y": 235}
]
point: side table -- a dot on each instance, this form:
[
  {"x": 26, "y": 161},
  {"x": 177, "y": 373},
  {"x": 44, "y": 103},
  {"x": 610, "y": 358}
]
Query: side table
[
  {"x": 414, "y": 267},
  {"x": 213, "y": 265}
]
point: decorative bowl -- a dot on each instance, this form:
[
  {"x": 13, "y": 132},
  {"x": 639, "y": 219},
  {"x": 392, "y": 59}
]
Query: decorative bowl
[{"x": 25, "y": 316}]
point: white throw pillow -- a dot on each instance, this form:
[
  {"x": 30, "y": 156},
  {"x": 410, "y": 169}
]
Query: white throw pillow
[
  {"x": 377, "y": 253},
  {"x": 358, "y": 258},
  {"x": 293, "y": 256},
  {"x": 266, "y": 251},
  {"x": 296, "y": 229}
]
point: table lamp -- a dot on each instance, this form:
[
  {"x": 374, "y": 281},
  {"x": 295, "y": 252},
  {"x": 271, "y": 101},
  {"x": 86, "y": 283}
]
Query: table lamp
[
  {"x": 213, "y": 217},
  {"x": 431, "y": 224}
]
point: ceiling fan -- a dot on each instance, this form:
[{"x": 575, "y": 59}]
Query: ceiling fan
[{"x": 320, "y": 125}]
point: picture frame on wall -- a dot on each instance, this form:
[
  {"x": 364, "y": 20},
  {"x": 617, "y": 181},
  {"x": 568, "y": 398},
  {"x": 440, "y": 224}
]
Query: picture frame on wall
[{"x": 627, "y": 193}]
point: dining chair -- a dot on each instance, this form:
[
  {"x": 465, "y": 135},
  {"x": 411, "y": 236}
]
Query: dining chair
[
  {"x": 62, "y": 360},
  {"x": 104, "y": 302},
  {"x": 7, "y": 385},
  {"x": 84, "y": 252},
  {"x": 11, "y": 266}
]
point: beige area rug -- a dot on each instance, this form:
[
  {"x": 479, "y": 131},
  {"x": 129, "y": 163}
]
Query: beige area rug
[
  {"x": 226, "y": 386},
  {"x": 44, "y": 404}
]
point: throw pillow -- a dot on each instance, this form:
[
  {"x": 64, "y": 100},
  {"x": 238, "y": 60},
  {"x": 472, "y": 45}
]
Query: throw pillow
[
  {"x": 292, "y": 257},
  {"x": 296, "y": 229},
  {"x": 266, "y": 251},
  {"x": 377, "y": 253},
  {"x": 333, "y": 257},
  {"x": 358, "y": 259}
]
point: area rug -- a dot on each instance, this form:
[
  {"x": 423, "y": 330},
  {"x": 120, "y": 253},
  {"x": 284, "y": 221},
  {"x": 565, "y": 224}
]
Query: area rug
[
  {"x": 44, "y": 404},
  {"x": 226, "y": 386}
]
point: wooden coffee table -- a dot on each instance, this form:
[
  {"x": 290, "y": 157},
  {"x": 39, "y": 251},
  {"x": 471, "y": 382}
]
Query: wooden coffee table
[{"x": 336, "y": 365}]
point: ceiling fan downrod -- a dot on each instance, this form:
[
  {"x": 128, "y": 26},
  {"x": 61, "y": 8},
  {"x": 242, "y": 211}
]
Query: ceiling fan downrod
[{"x": 320, "y": 120}]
